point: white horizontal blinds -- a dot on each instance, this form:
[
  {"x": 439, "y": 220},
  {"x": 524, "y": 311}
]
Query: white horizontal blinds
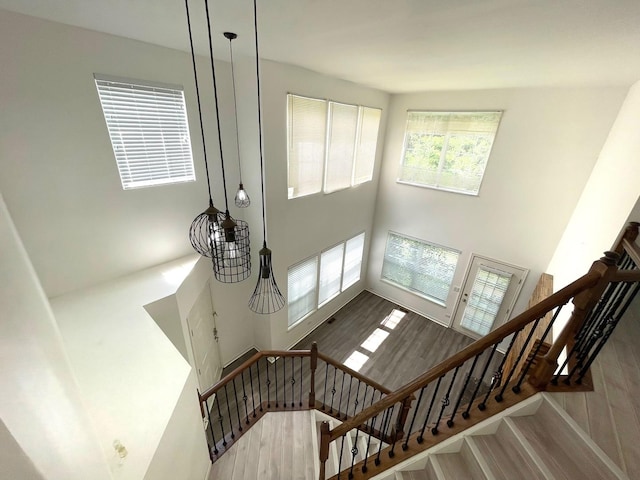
[
  {"x": 419, "y": 266},
  {"x": 352, "y": 261},
  {"x": 149, "y": 132},
  {"x": 307, "y": 128},
  {"x": 369, "y": 122},
  {"x": 488, "y": 291},
  {"x": 343, "y": 123},
  {"x": 330, "y": 273},
  {"x": 448, "y": 150},
  {"x": 302, "y": 285}
]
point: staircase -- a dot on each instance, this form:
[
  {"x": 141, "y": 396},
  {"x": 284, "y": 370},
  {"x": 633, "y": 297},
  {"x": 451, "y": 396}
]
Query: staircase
[{"x": 535, "y": 440}]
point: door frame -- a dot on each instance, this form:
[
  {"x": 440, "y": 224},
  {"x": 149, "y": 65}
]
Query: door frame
[{"x": 516, "y": 294}]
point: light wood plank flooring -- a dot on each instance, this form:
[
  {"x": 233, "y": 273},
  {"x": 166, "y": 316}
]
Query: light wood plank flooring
[{"x": 611, "y": 413}]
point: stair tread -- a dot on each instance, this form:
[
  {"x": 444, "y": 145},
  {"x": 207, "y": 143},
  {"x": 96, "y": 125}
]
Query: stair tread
[
  {"x": 505, "y": 456},
  {"x": 415, "y": 475},
  {"x": 454, "y": 466},
  {"x": 562, "y": 450}
]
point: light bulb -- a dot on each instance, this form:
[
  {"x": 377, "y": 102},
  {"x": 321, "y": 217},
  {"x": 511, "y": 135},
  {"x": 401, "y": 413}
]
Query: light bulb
[
  {"x": 230, "y": 254},
  {"x": 242, "y": 198}
]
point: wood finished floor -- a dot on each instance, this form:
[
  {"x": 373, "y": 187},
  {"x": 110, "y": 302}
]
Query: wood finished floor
[{"x": 611, "y": 413}]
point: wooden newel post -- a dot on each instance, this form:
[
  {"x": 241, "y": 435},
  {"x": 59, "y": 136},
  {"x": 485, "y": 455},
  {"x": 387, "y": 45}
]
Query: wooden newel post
[
  {"x": 325, "y": 436},
  {"x": 583, "y": 303},
  {"x": 404, "y": 413},
  {"x": 313, "y": 365},
  {"x": 630, "y": 233}
]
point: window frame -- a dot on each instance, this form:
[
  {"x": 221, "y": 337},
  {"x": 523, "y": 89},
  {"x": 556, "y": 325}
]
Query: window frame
[
  {"x": 357, "y": 152},
  {"x": 158, "y": 152},
  {"x": 426, "y": 296},
  {"x": 447, "y": 135}
]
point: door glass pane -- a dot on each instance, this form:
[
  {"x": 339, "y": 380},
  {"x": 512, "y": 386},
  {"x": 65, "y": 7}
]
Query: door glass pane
[{"x": 487, "y": 294}]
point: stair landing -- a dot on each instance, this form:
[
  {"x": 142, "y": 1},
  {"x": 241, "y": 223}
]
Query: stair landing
[{"x": 279, "y": 446}]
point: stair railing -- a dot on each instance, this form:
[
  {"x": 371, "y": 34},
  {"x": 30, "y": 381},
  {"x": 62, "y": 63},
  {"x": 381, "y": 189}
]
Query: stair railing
[
  {"x": 282, "y": 380},
  {"x": 450, "y": 394}
]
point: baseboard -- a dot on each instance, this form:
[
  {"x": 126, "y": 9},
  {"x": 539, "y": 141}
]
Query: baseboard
[{"x": 447, "y": 325}]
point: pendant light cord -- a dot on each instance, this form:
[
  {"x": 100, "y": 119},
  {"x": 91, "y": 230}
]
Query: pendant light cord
[
  {"x": 264, "y": 215},
  {"x": 235, "y": 105},
  {"x": 215, "y": 96},
  {"x": 195, "y": 76}
]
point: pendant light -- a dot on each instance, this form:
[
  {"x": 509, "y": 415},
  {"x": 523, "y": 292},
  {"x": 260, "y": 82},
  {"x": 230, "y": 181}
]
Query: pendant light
[
  {"x": 242, "y": 199},
  {"x": 205, "y": 225},
  {"x": 231, "y": 249},
  {"x": 266, "y": 297}
]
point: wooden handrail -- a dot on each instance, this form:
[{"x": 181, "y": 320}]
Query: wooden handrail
[
  {"x": 353, "y": 373},
  {"x": 559, "y": 298},
  {"x": 257, "y": 356}
]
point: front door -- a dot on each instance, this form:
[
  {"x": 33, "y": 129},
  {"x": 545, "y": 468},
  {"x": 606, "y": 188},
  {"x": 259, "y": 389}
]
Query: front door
[
  {"x": 203, "y": 340},
  {"x": 488, "y": 295}
]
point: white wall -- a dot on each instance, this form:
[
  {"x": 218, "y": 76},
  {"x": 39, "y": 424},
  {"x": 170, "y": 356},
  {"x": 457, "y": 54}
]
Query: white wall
[
  {"x": 302, "y": 227},
  {"x": 546, "y": 146},
  {"x": 57, "y": 168},
  {"x": 165, "y": 313},
  {"x": 13, "y": 460},
  {"x": 607, "y": 200},
  {"x": 40, "y": 403}
]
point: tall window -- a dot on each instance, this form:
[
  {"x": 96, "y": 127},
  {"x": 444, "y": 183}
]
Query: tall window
[
  {"x": 303, "y": 281},
  {"x": 419, "y": 266},
  {"x": 311, "y": 287},
  {"x": 332, "y": 146},
  {"x": 448, "y": 150},
  {"x": 148, "y": 129}
]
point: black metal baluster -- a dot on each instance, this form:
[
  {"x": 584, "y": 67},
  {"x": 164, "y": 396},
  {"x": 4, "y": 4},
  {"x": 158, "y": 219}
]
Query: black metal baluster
[
  {"x": 326, "y": 380},
  {"x": 253, "y": 395},
  {"x": 420, "y": 438},
  {"x": 268, "y": 383},
  {"x": 235, "y": 397},
  {"x": 354, "y": 452},
  {"x": 405, "y": 445},
  {"x": 226, "y": 394},
  {"x": 464, "y": 389},
  {"x": 333, "y": 389},
  {"x": 532, "y": 331},
  {"x": 383, "y": 432},
  {"x": 221, "y": 420},
  {"x": 259, "y": 384},
  {"x": 340, "y": 458},
  {"x": 284, "y": 381},
  {"x": 293, "y": 381},
  {"x": 346, "y": 410},
  {"x": 445, "y": 401},
  {"x": 213, "y": 435},
  {"x": 465, "y": 414},
  {"x": 497, "y": 377},
  {"x": 356, "y": 403},
  {"x": 245, "y": 398},
  {"x": 364, "y": 398},
  {"x": 372, "y": 427},
  {"x": 534, "y": 354},
  {"x": 275, "y": 375},
  {"x": 341, "y": 392}
]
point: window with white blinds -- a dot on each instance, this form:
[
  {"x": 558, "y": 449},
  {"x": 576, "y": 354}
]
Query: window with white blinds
[
  {"x": 302, "y": 288},
  {"x": 419, "y": 266},
  {"x": 488, "y": 291},
  {"x": 330, "y": 273},
  {"x": 148, "y": 130},
  {"x": 352, "y": 261},
  {"x": 332, "y": 146},
  {"x": 448, "y": 150}
]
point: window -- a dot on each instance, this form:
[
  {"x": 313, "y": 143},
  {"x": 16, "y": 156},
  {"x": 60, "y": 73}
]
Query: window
[
  {"x": 448, "y": 150},
  {"x": 488, "y": 291},
  {"x": 149, "y": 133},
  {"x": 303, "y": 281},
  {"x": 330, "y": 273},
  {"x": 419, "y": 266},
  {"x": 311, "y": 287},
  {"x": 352, "y": 261},
  {"x": 332, "y": 146}
]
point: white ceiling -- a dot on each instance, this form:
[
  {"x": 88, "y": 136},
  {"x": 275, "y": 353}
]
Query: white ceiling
[{"x": 397, "y": 46}]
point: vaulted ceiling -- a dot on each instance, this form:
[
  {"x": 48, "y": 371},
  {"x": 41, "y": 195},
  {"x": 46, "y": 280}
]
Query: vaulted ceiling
[{"x": 396, "y": 46}]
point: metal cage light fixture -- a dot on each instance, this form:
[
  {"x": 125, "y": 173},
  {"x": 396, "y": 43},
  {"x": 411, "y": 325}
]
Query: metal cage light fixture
[
  {"x": 213, "y": 233},
  {"x": 266, "y": 297}
]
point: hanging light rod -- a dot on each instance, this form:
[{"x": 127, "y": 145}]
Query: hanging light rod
[{"x": 241, "y": 199}]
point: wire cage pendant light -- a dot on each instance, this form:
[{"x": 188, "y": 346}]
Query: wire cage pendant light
[
  {"x": 266, "y": 297},
  {"x": 241, "y": 199},
  {"x": 215, "y": 234}
]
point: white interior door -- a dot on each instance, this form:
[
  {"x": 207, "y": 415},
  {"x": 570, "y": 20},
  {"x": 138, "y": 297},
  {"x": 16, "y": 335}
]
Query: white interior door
[
  {"x": 488, "y": 294},
  {"x": 202, "y": 328}
]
